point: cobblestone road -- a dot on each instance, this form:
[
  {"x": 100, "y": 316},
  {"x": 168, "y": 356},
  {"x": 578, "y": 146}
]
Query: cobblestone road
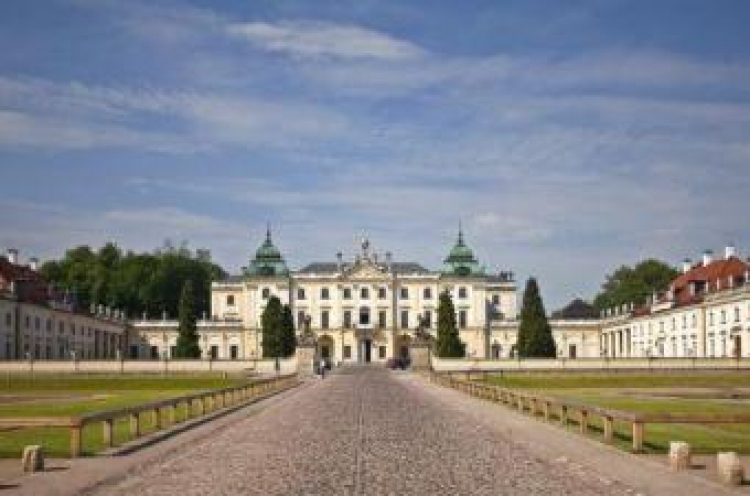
[{"x": 362, "y": 431}]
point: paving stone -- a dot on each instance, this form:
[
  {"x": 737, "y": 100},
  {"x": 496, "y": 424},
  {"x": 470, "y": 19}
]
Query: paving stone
[{"x": 362, "y": 432}]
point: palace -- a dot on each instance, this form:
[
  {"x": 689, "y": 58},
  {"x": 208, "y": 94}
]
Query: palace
[
  {"x": 705, "y": 312},
  {"x": 366, "y": 309}
]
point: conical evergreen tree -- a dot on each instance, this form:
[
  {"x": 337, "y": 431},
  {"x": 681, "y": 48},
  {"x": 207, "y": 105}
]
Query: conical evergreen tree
[
  {"x": 271, "y": 327},
  {"x": 534, "y": 332},
  {"x": 449, "y": 344},
  {"x": 187, "y": 337},
  {"x": 288, "y": 336}
]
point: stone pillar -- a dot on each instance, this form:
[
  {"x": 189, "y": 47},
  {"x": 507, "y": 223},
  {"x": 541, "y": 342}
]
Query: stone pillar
[
  {"x": 730, "y": 468},
  {"x": 306, "y": 355},
  {"x": 420, "y": 355},
  {"x": 679, "y": 455}
]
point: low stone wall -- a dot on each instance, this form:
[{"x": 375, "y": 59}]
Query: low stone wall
[
  {"x": 588, "y": 364},
  {"x": 263, "y": 367}
]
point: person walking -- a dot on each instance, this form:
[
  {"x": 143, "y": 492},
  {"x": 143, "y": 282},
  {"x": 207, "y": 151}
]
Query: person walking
[{"x": 322, "y": 368}]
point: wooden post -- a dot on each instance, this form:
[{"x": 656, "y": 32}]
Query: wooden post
[
  {"x": 76, "y": 441},
  {"x": 157, "y": 418},
  {"x": 637, "y": 437},
  {"x": 545, "y": 406},
  {"x": 583, "y": 422},
  {"x": 608, "y": 429},
  {"x": 135, "y": 425},
  {"x": 564, "y": 415},
  {"x": 107, "y": 432}
]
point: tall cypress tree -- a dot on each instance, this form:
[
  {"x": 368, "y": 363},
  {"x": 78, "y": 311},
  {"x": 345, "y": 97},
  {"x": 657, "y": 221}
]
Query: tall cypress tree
[
  {"x": 449, "y": 344},
  {"x": 271, "y": 327},
  {"x": 187, "y": 337},
  {"x": 288, "y": 337},
  {"x": 534, "y": 332}
]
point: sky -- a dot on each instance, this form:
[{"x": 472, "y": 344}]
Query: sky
[{"x": 568, "y": 138}]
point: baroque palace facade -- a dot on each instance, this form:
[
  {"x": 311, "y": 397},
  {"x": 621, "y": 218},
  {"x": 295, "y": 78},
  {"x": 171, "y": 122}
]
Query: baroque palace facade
[
  {"x": 705, "y": 312},
  {"x": 364, "y": 310},
  {"x": 37, "y": 322}
]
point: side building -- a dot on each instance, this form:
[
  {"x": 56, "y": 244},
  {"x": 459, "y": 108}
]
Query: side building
[
  {"x": 37, "y": 322},
  {"x": 704, "y": 313},
  {"x": 365, "y": 309}
]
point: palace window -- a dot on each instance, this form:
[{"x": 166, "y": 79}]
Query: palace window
[
  {"x": 404, "y": 293},
  {"x": 462, "y": 292},
  {"x": 324, "y": 319},
  {"x": 8, "y": 319},
  {"x": 347, "y": 293},
  {"x": 381, "y": 293},
  {"x": 736, "y": 314},
  {"x": 364, "y": 293},
  {"x": 28, "y": 322},
  {"x": 427, "y": 319},
  {"x": 266, "y": 293},
  {"x": 347, "y": 352},
  {"x": 382, "y": 319},
  {"x": 495, "y": 299},
  {"x": 234, "y": 352},
  {"x": 427, "y": 293},
  {"x": 462, "y": 319},
  {"x": 300, "y": 293},
  {"x": 381, "y": 352},
  {"x": 710, "y": 318},
  {"x": 723, "y": 316},
  {"x": 364, "y": 316},
  {"x": 300, "y": 319},
  {"x": 404, "y": 319},
  {"x": 347, "y": 319},
  {"x": 324, "y": 294},
  {"x": 214, "y": 353},
  {"x": 230, "y": 300}
]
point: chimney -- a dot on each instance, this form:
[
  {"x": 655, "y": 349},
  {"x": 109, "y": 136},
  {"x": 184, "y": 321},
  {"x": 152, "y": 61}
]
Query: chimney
[
  {"x": 687, "y": 264},
  {"x": 34, "y": 263},
  {"x": 707, "y": 257},
  {"x": 729, "y": 252},
  {"x": 13, "y": 256}
]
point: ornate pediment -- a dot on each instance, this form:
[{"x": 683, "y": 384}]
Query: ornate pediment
[{"x": 366, "y": 270}]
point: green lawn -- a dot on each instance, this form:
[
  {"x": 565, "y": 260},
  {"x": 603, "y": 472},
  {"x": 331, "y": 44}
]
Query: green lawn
[
  {"x": 64, "y": 396},
  {"x": 645, "y": 394}
]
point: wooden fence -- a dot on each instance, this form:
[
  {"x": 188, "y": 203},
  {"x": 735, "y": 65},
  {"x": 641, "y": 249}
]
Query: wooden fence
[
  {"x": 566, "y": 410},
  {"x": 163, "y": 412}
]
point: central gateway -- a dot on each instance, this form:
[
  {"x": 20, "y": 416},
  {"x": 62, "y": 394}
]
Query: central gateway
[{"x": 366, "y": 350}]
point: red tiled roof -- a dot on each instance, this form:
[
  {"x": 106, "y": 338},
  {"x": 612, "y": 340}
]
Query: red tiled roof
[
  {"x": 33, "y": 284},
  {"x": 713, "y": 277}
]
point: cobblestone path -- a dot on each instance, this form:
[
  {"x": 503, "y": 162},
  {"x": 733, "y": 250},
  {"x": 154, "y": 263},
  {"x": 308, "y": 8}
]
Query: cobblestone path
[{"x": 361, "y": 431}]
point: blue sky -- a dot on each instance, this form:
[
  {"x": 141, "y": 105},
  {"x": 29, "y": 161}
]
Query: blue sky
[{"x": 568, "y": 137}]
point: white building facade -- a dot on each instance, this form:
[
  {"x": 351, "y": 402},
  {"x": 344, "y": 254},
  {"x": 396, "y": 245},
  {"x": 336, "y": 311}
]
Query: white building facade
[{"x": 704, "y": 313}]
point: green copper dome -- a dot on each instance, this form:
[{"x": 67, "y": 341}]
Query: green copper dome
[
  {"x": 268, "y": 260},
  {"x": 461, "y": 260}
]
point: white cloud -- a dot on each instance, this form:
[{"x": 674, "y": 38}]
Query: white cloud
[{"x": 324, "y": 39}]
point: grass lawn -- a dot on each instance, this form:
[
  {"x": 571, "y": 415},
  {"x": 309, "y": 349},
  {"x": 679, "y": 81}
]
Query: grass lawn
[
  {"x": 65, "y": 396},
  {"x": 688, "y": 393}
]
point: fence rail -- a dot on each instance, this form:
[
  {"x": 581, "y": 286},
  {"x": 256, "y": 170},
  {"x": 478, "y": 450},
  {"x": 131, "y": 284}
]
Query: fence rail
[
  {"x": 163, "y": 412},
  {"x": 566, "y": 410}
]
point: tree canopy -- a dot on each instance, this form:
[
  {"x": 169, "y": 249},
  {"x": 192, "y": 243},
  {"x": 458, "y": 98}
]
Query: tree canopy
[
  {"x": 288, "y": 338},
  {"x": 449, "y": 344},
  {"x": 534, "y": 332},
  {"x": 634, "y": 284},
  {"x": 187, "y": 332},
  {"x": 271, "y": 326},
  {"x": 135, "y": 282}
]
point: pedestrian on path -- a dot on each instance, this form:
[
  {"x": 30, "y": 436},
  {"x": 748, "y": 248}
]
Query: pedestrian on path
[{"x": 322, "y": 368}]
